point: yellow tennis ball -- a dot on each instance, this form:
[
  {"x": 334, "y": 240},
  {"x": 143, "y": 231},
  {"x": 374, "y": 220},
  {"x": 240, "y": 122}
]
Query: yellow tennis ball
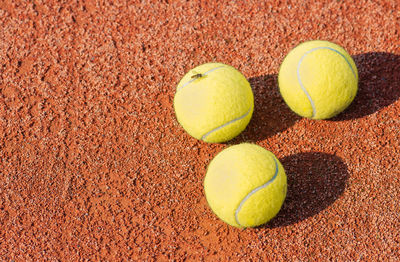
[
  {"x": 318, "y": 79},
  {"x": 214, "y": 102},
  {"x": 245, "y": 185}
]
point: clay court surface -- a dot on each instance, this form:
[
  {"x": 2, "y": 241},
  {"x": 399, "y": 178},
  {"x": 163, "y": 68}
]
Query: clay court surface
[{"x": 94, "y": 165}]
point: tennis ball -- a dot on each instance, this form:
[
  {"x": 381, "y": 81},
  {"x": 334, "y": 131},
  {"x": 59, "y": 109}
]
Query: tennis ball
[
  {"x": 245, "y": 185},
  {"x": 214, "y": 102},
  {"x": 318, "y": 79}
]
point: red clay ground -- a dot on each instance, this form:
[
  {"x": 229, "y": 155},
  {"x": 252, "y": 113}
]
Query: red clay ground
[{"x": 95, "y": 166}]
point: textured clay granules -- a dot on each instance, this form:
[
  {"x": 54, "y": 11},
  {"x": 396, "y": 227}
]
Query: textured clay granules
[{"x": 94, "y": 166}]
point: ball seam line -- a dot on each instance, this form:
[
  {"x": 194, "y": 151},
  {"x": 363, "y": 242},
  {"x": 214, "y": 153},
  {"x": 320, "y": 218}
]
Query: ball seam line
[
  {"x": 298, "y": 73},
  {"x": 224, "y": 125},
  {"x": 194, "y": 79},
  {"x": 252, "y": 192}
]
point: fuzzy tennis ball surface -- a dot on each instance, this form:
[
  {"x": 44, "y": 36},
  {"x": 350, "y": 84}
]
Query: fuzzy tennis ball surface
[
  {"x": 245, "y": 185},
  {"x": 214, "y": 102},
  {"x": 318, "y": 79}
]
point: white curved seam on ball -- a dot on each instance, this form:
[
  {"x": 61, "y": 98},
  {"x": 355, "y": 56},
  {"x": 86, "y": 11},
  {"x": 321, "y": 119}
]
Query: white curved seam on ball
[
  {"x": 298, "y": 73},
  {"x": 224, "y": 125},
  {"x": 301, "y": 83},
  {"x": 194, "y": 79},
  {"x": 252, "y": 192}
]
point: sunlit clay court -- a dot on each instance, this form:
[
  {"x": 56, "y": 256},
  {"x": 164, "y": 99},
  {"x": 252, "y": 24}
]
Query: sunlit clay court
[{"x": 199, "y": 130}]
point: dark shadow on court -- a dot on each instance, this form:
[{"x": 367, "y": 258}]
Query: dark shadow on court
[
  {"x": 378, "y": 86},
  {"x": 315, "y": 181},
  {"x": 271, "y": 115}
]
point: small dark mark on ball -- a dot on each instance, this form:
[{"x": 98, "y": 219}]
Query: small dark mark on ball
[{"x": 197, "y": 76}]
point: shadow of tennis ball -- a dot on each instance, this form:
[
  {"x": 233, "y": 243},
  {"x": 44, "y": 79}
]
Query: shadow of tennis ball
[
  {"x": 378, "y": 86},
  {"x": 315, "y": 181}
]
